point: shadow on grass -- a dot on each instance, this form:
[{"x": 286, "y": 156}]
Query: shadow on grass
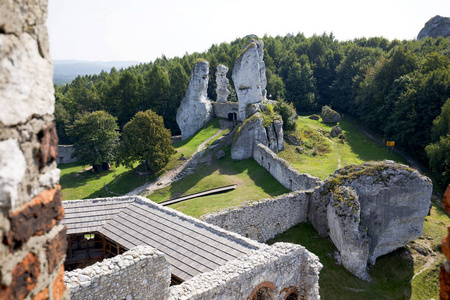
[
  {"x": 391, "y": 274},
  {"x": 364, "y": 147},
  {"x": 77, "y": 179},
  {"x": 225, "y": 166}
]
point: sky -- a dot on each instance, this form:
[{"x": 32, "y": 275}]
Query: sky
[{"x": 143, "y": 30}]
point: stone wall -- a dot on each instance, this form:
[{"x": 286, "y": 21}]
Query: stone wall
[
  {"x": 264, "y": 219},
  {"x": 258, "y": 271},
  {"x": 140, "y": 273},
  {"x": 283, "y": 171},
  {"x": 33, "y": 242},
  {"x": 221, "y": 110},
  {"x": 65, "y": 154}
]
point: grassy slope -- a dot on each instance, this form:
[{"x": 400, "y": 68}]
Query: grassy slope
[
  {"x": 82, "y": 185},
  {"x": 392, "y": 273},
  {"x": 355, "y": 149},
  {"x": 253, "y": 183}
]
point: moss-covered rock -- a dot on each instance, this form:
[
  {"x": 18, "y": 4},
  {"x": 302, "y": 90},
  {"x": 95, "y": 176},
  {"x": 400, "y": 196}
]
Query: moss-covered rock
[{"x": 329, "y": 115}]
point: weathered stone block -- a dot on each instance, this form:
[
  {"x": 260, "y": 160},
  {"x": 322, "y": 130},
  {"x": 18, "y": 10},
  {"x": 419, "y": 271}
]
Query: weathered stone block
[
  {"x": 37, "y": 217},
  {"x": 26, "y": 84},
  {"x": 12, "y": 170}
]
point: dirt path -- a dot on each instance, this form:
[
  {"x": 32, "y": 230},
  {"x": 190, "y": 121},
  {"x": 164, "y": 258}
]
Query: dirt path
[
  {"x": 429, "y": 263},
  {"x": 167, "y": 178}
]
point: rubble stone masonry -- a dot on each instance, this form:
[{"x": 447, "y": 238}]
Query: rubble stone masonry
[{"x": 33, "y": 243}]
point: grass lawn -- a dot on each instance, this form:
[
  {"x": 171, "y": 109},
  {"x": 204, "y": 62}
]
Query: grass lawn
[
  {"x": 77, "y": 184},
  {"x": 392, "y": 273},
  {"x": 253, "y": 183},
  {"x": 83, "y": 185},
  {"x": 324, "y": 154}
]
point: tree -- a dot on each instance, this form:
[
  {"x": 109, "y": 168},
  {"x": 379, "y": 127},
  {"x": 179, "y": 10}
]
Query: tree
[
  {"x": 95, "y": 138},
  {"x": 287, "y": 113},
  {"x": 439, "y": 158},
  {"x": 144, "y": 138}
]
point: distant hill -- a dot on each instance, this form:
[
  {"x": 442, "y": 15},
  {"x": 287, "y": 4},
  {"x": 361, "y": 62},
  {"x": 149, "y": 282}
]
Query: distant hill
[{"x": 66, "y": 70}]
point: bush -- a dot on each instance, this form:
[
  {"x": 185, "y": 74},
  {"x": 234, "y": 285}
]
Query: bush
[{"x": 287, "y": 113}]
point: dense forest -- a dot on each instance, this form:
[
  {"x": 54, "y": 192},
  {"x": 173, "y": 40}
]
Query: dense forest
[{"x": 398, "y": 89}]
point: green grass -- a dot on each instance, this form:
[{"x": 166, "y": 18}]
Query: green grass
[
  {"x": 83, "y": 185},
  {"x": 253, "y": 183},
  {"x": 77, "y": 184},
  {"x": 392, "y": 273},
  {"x": 325, "y": 154}
]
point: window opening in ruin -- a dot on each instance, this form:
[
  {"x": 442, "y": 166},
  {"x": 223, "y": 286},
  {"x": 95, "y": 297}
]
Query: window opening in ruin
[
  {"x": 86, "y": 249},
  {"x": 174, "y": 280},
  {"x": 292, "y": 296},
  {"x": 264, "y": 293},
  {"x": 268, "y": 167},
  {"x": 290, "y": 184},
  {"x": 232, "y": 116}
]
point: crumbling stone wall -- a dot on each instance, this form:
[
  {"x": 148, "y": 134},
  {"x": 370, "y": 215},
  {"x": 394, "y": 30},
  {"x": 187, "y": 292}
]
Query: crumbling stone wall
[
  {"x": 259, "y": 269},
  {"x": 34, "y": 243},
  {"x": 140, "y": 273},
  {"x": 283, "y": 171},
  {"x": 65, "y": 154},
  {"x": 221, "y": 110},
  {"x": 264, "y": 219}
]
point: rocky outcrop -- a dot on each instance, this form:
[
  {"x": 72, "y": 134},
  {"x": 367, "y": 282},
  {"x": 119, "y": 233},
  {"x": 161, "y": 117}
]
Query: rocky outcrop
[
  {"x": 249, "y": 76},
  {"x": 435, "y": 27},
  {"x": 250, "y": 134},
  {"x": 335, "y": 131},
  {"x": 395, "y": 200},
  {"x": 222, "y": 84},
  {"x": 255, "y": 130},
  {"x": 329, "y": 115},
  {"x": 195, "y": 109},
  {"x": 347, "y": 231},
  {"x": 387, "y": 202}
]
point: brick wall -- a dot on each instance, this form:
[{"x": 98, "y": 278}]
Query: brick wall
[{"x": 33, "y": 243}]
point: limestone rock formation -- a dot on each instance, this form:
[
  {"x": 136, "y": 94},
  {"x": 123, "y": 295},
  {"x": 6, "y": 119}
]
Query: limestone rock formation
[
  {"x": 395, "y": 200},
  {"x": 348, "y": 232},
  {"x": 249, "y": 135},
  {"x": 222, "y": 84},
  {"x": 195, "y": 109},
  {"x": 388, "y": 205},
  {"x": 253, "y": 132},
  {"x": 335, "y": 131},
  {"x": 435, "y": 27},
  {"x": 249, "y": 76},
  {"x": 329, "y": 115}
]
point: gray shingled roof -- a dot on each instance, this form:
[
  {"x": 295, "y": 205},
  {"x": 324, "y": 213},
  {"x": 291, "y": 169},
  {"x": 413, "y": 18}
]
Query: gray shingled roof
[{"x": 191, "y": 246}]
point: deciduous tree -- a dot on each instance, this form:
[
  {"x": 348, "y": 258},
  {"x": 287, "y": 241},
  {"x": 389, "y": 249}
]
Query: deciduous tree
[{"x": 145, "y": 139}]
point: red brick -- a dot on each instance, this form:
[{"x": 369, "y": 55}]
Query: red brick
[
  {"x": 36, "y": 218},
  {"x": 24, "y": 278},
  {"x": 48, "y": 151},
  {"x": 56, "y": 249},
  {"x": 59, "y": 288},
  {"x": 44, "y": 295},
  {"x": 264, "y": 284}
]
